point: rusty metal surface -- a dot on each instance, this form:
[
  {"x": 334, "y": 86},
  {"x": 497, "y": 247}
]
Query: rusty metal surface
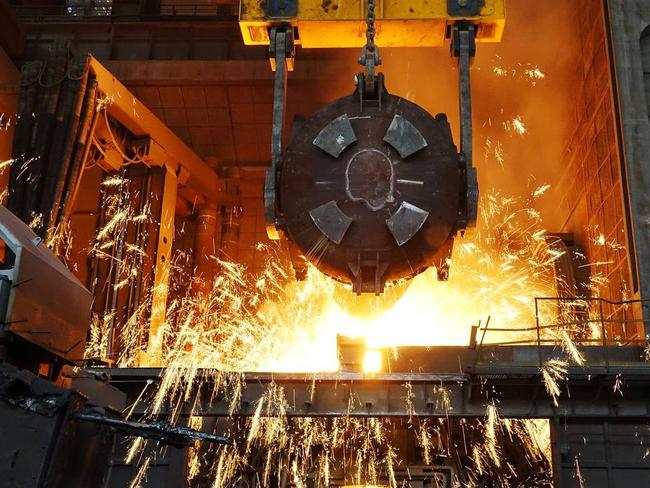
[
  {"x": 331, "y": 221},
  {"x": 405, "y": 223},
  {"x": 404, "y": 137},
  {"x": 385, "y": 176},
  {"x": 336, "y": 136}
]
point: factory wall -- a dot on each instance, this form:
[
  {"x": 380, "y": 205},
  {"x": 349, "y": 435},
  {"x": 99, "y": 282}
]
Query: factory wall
[
  {"x": 592, "y": 187},
  {"x": 630, "y": 20},
  {"x": 601, "y": 453}
]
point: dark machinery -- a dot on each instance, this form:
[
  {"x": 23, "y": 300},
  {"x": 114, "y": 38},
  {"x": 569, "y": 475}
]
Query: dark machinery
[
  {"x": 58, "y": 421},
  {"x": 371, "y": 189}
]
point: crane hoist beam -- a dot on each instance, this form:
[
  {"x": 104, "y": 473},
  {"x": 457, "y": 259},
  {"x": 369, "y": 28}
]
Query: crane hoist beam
[{"x": 341, "y": 24}]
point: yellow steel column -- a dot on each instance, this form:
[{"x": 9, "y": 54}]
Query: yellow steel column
[{"x": 162, "y": 273}]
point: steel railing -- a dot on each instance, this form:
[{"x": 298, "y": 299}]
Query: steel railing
[
  {"x": 579, "y": 314},
  {"x": 106, "y": 12}
]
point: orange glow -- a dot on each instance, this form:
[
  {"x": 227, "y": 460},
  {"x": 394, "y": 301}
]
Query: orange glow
[
  {"x": 281, "y": 325},
  {"x": 372, "y": 361},
  {"x": 496, "y": 272}
]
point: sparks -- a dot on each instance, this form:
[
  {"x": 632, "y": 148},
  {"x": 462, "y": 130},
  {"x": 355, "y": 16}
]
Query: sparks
[
  {"x": 541, "y": 190},
  {"x": 516, "y": 125}
]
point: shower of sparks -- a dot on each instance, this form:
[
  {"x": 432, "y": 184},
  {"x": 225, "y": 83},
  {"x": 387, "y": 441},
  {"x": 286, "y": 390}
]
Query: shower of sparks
[
  {"x": 578, "y": 473},
  {"x": 554, "y": 371},
  {"x": 37, "y": 220},
  {"x": 529, "y": 73},
  {"x": 97, "y": 346},
  {"x": 541, "y": 190},
  {"x": 242, "y": 323},
  {"x": 518, "y": 126},
  {"x": 490, "y": 149},
  {"x": 5, "y": 164},
  {"x": 515, "y": 125},
  {"x": 140, "y": 476},
  {"x": 491, "y": 444},
  {"x": 498, "y": 153},
  {"x": 5, "y": 121},
  {"x": 569, "y": 346},
  {"x": 499, "y": 71},
  {"x": 534, "y": 74},
  {"x": 113, "y": 181},
  {"x": 618, "y": 384}
]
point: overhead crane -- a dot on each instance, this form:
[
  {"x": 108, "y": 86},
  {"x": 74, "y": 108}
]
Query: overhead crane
[{"x": 371, "y": 189}]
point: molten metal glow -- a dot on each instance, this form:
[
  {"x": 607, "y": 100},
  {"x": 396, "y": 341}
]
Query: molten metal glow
[
  {"x": 496, "y": 272},
  {"x": 274, "y": 323},
  {"x": 271, "y": 322},
  {"x": 372, "y": 361}
]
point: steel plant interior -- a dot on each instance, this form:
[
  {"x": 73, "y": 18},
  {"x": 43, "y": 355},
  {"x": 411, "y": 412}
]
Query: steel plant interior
[{"x": 220, "y": 124}]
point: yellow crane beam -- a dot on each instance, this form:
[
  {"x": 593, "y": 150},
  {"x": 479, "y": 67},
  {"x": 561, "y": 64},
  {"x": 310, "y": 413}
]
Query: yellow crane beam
[{"x": 399, "y": 23}]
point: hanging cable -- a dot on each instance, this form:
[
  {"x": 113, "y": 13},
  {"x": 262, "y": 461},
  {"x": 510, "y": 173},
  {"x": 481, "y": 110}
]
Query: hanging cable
[{"x": 126, "y": 158}]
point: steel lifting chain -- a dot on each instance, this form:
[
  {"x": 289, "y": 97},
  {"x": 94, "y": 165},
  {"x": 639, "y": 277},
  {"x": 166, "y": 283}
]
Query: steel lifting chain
[{"x": 370, "y": 53}]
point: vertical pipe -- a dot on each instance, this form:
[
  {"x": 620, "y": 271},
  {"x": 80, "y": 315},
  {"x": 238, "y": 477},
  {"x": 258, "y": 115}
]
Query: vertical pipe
[
  {"x": 22, "y": 137},
  {"x": 114, "y": 274},
  {"x": 61, "y": 166},
  {"x": 73, "y": 179},
  {"x": 230, "y": 229},
  {"x": 140, "y": 241},
  {"x": 54, "y": 164},
  {"x": 50, "y": 95},
  {"x": 205, "y": 248}
]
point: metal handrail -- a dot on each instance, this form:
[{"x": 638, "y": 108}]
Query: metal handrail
[
  {"x": 565, "y": 324},
  {"x": 538, "y": 328},
  {"x": 99, "y": 11},
  {"x": 555, "y": 341},
  {"x": 594, "y": 299},
  {"x": 231, "y": 11}
]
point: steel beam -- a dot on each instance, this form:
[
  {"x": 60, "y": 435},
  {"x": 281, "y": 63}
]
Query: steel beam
[
  {"x": 587, "y": 393},
  {"x": 160, "y": 290},
  {"x": 176, "y": 156},
  {"x": 420, "y": 23}
]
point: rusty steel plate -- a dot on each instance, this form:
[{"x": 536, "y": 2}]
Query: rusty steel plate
[{"x": 370, "y": 193}]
